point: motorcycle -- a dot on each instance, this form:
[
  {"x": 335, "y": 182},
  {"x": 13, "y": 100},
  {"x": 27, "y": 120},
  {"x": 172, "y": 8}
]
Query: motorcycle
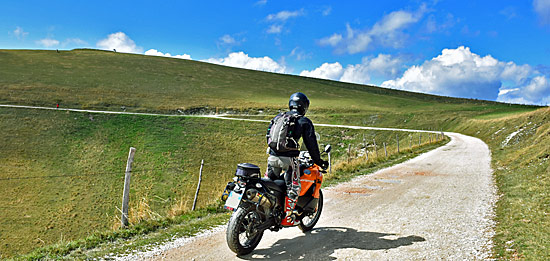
[{"x": 258, "y": 203}]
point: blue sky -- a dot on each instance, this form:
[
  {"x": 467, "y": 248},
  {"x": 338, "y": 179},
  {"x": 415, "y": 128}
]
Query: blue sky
[{"x": 495, "y": 50}]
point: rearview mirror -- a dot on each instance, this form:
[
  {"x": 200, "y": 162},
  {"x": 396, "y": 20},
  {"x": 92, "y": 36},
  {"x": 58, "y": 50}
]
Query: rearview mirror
[{"x": 328, "y": 148}]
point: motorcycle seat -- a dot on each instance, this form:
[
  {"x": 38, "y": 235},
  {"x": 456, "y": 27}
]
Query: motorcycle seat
[{"x": 276, "y": 185}]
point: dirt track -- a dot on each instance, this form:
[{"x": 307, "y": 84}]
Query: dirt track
[{"x": 436, "y": 206}]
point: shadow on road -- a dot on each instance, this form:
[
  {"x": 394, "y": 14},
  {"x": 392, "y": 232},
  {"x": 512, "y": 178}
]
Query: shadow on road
[{"x": 322, "y": 242}]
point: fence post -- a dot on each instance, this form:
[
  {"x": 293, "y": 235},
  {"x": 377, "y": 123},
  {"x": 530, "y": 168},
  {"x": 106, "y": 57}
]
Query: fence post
[
  {"x": 397, "y": 136},
  {"x": 126, "y": 191},
  {"x": 410, "y": 141},
  {"x": 349, "y": 152},
  {"x": 385, "y": 151},
  {"x": 419, "y": 138},
  {"x": 198, "y": 187},
  {"x": 329, "y": 163},
  {"x": 365, "y": 146}
]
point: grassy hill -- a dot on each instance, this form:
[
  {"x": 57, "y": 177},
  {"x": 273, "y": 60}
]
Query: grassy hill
[
  {"x": 62, "y": 172},
  {"x": 107, "y": 80}
]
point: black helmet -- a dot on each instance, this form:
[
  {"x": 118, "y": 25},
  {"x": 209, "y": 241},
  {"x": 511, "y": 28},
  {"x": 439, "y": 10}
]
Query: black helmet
[{"x": 299, "y": 102}]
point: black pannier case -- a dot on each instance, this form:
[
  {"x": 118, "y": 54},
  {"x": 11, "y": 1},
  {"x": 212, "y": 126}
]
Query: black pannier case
[{"x": 248, "y": 170}]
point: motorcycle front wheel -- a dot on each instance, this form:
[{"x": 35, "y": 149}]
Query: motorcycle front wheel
[
  {"x": 242, "y": 237},
  {"x": 308, "y": 222}
]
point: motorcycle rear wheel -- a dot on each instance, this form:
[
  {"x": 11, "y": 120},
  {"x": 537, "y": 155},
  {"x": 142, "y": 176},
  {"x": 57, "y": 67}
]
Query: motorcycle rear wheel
[
  {"x": 308, "y": 222},
  {"x": 241, "y": 236}
]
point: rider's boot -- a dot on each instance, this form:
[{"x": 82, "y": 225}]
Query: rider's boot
[{"x": 290, "y": 214}]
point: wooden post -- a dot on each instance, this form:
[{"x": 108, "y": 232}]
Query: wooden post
[
  {"x": 329, "y": 163},
  {"x": 385, "y": 150},
  {"x": 198, "y": 187},
  {"x": 349, "y": 152},
  {"x": 365, "y": 146},
  {"x": 126, "y": 192},
  {"x": 410, "y": 141},
  {"x": 397, "y": 136}
]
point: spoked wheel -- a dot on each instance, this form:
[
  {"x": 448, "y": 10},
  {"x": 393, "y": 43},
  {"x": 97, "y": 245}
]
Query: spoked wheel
[
  {"x": 308, "y": 222},
  {"x": 242, "y": 237}
]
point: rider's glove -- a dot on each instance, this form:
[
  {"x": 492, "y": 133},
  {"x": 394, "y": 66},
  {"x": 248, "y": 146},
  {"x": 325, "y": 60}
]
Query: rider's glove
[{"x": 324, "y": 164}]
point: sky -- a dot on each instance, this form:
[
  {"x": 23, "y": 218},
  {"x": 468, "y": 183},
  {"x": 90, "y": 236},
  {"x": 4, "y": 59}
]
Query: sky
[{"x": 491, "y": 50}]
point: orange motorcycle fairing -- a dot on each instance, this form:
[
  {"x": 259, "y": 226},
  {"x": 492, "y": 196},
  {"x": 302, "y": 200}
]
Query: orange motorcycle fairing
[{"x": 312, "y": 175}]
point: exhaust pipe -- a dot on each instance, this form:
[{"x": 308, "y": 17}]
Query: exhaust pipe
[{"x": 255, "y": 196}]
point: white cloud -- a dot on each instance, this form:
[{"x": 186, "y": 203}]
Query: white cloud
[
  {"x": 19, "y": 33},
  {"x": 332, "y": 40},
  {"x": 536, "y": 90},
  {"x": 383, "y": 65},
  {"x": 509, "y": 12},
  {"x": 242, "y": 60},
  {"x": 155, "y": 52},
  {"x": 119, "y": 41},
  {"x": 327, "y": 11},
  {"x": 395, "y": 21},
  {"x": 274, "y": 29},
  {"x": 299, "y": 55},
  {"x": 434, "y": 25},
  {"x": 461, "y": 73},
  {"x": 227, "y": 39},
  {"x": 332, "y": 71},
  {"x": 279, "y": 19},
  {"x": 261, "y": 2},
  {"x": 542, "y": 8},
  {"x": 285, "y": 15},
  {"x": 48, "y": 42},
  {"x": 386, "y": 32}
]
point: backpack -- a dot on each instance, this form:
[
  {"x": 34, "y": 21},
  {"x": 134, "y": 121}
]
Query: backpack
[{"x": 279, "y": 137}]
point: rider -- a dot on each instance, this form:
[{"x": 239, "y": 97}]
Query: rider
[{"x": 288, "y": 161}]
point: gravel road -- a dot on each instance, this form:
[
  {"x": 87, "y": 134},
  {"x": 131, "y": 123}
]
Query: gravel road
[{"x": 436, "y": 206}]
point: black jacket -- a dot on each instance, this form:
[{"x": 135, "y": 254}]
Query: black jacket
[{"x": 303, "y": 129}]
